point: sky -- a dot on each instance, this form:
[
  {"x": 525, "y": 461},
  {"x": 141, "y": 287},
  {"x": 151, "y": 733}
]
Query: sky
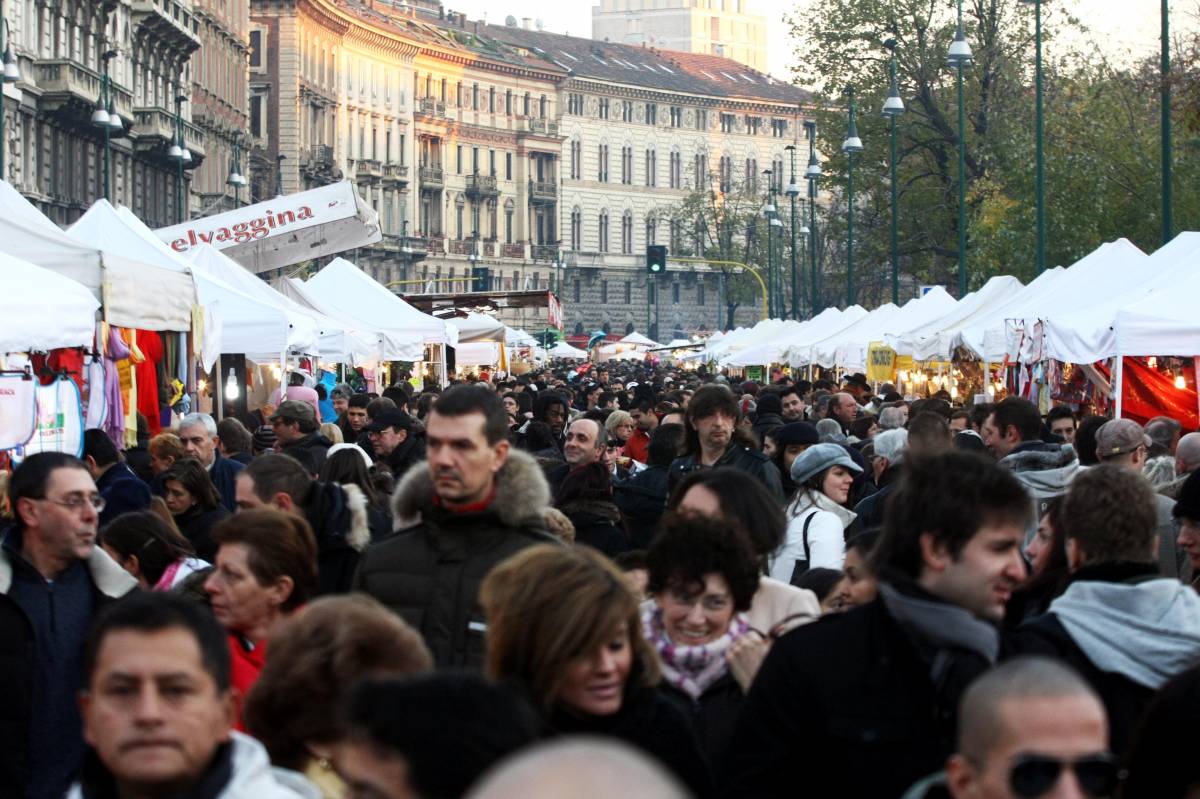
[{"x": 1118, "y": 26}]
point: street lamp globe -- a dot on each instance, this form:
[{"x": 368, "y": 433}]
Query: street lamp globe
[
  {"x": 960, "y": 50},
  {"x": 175, "y": 153},
  {"x": 12, "y": 72},
  {"x": 814, "y": 167},
  {"x": 100, "y": 117},
  {"x": 852, "y": 144},
  {"x": 893, "y": 106},
  {"x": 804, "y": 231},
  {"x": 186, "y": 156},
  {"x": 115, "y": 124}
]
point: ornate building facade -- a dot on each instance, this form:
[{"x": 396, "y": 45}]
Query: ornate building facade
[{"x": 220, "y": 102}]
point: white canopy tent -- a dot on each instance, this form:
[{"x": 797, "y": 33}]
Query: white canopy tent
[
  {"x": 516, "y": 337},
  {"x": 259, "y": 330},
  {"x": 935, "y": 340},
  {"x": 476, "y": 328},
  {"x": 26, "y": 323},
  {"x": 1163, "y": 322},
  {"x": 133, "y": 293},
  {"x": 918, "y": 311},
  {"x": 564, "y": 350},
  {"x": 847, "y": 348},
  {"x": 982, "y": 334},
  {"x": 638, "y": 339},
  {"x": 283, "y": 230},
  {"x": 830, "y": 322}
]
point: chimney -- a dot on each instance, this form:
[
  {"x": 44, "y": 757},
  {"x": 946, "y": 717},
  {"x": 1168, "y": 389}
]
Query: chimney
[{"x": 527, "y": 23}]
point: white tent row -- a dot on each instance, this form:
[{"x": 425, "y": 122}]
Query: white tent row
[
  {"x": 564, "y": 350},
  {"x": 935, "y": 340},
  {"x": 132, "y": 293},
  {"x": 28, "y": 293}
]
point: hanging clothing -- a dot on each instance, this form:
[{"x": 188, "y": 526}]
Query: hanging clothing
[
  {"x": 59, "y": 420},
  {"x": 18, "y": 409},
  {"x": 96, "y": 412},
  {"x": 131, "y": 405},
  {"x": 147, "y": 379},
  {"x": 115, "y": 352}
]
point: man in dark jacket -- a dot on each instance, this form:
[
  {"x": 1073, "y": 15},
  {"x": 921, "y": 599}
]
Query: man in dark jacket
[
  {"x": 396, "y": 441},
  {"x": 768, "y": 412},
  {"x": 120, "y": 488},
  {"x": 712, "y": 417},
  {"x": 873, "y": 692},
  {"x": 1122, "y": 626},
  {"x": 337, "y": 514},
  {"x": 296, "y": 428},
  {"x": 474, "y": 504},
  {"x": 198, "y": 432},
  {"x": 890, "y": 446},
  {"x": 643, "y": 497},
  {"x": 53, "y": 581}
]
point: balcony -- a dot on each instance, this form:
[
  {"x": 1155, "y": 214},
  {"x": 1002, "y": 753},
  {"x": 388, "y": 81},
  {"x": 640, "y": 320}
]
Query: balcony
[
  {"x": 367, "y": 169},
  {"x": 154, "y": 127},
  {"x": 512, "y": 251},
  {"x": 414, "y": 248},
  {"x": 543, "y": 192},
  {"x": 395, "y": 174},
  {"x": 318, "y": 165},
  {"x": 544, "y": 127},
  {"x": 482, "y": 186},
  {"x": 545, "y": 252},
  {"x": 431, "y": 107},
  {"x": 167, "y": 23},
  {"x": 463, "y": 247},
  {"x": 432, "y": 178},
  {"x": 69, "y": 84},
  {"x": 435, "y": 245}
]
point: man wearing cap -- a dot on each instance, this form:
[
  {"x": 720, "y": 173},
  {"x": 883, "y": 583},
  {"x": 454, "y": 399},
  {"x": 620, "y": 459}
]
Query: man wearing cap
[
  {"x": 396, "y": 443},
  {"x": 1124, "y": 443},
  {"x": 296, "y": 428}
]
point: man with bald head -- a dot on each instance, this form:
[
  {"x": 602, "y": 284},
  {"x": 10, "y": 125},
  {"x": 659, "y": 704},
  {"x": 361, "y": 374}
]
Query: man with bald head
[
  {"x": 1187, "y": 460},
  {"x": 1031, "y": 727},
  {"x": 844, "y": 409}
]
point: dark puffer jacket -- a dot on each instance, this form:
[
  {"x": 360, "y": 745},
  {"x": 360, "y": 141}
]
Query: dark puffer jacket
[
  {"x": 642, "y": 500},
  {"x": 597, "y": 525},
  {"x": 430, "y": 571},
  {"x": 340, "y": 521},
  {"x": 314, "y": 443},
  {"x": 740, "y": 457}
]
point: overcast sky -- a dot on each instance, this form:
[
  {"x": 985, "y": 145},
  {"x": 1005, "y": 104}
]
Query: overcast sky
[{"x": 1119, "y": 26}]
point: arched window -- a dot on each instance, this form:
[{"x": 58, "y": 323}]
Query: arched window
[
  {"x": 579, "y": 328},
  {"x": 576, "y": 228},
  {"x": 602, "y": 232},
  {"x": 627, "y": 233},
  {"x": 629, "y": 328}
]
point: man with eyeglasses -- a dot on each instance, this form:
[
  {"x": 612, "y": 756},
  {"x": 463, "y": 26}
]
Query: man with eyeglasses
[
  {"x": 1031, "y": 729},
  {"x": 53, "y": 581}
]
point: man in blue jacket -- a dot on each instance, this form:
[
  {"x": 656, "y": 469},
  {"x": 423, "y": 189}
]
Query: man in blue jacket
[
  {"x": 122, "y": 490},
  {"x": 198, "y": 432}
]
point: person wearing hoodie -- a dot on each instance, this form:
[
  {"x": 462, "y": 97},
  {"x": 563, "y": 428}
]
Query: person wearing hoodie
[
  {"x": 768, "y": 414},
  {"x": 1012, "y": 433},
  {"x": 643, "y": 496},
  {"x": 817, "y": 517},
  {"x": 338, "y": 514},
  {"x": 1124, "y": 627},
  {"x": 296, "y": 428},
  {"x": 147, "y": 646}
]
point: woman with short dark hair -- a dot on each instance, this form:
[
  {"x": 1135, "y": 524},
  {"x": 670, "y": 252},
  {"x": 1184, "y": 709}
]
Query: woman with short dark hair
[{"x": 147, "y": 547}]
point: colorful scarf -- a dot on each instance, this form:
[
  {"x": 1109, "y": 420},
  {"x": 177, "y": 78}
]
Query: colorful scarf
[{"x": 691, "y": 669}]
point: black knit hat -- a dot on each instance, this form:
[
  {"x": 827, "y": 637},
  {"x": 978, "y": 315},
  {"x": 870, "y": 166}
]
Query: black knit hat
[
  {"x": 1187, "y": 501},
  {"x": 264, "y": 438}
]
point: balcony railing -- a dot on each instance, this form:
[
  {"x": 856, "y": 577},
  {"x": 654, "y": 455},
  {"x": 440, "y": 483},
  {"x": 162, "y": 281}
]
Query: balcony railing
[
  {"x": 482, "y": 185},
  {"x": 543, "y": 191},
  {"x": 432, "y": 177},
  {"x": 546, "y": 127},
  {"x": 434, "y": 245},
  {"x": 431, "y": 107},
  {"x": 154, "y": 123},
  {"x": 393, "y": 172},
  {"x": 368, "y": 168},
  {"x": 167, "y": 21},
  {"x": 63, "y": 80},
  {"x": 513, "y": 251},
  {"x": 545, "y": 252},
  {"x": 319, "y": 155}
]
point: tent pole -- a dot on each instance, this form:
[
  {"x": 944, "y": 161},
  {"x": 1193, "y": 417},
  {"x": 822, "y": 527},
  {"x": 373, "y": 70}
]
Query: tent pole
[{"x": 1118, "y": 381}]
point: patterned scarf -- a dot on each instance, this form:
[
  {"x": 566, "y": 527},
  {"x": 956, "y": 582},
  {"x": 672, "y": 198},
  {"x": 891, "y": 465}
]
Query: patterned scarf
[{"x": 691, "y": 669}]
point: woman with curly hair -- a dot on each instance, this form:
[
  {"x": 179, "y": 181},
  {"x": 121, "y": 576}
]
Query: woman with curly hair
[
  {"x": 702, "y": 577},
  {"x": 563, "y": 627}
]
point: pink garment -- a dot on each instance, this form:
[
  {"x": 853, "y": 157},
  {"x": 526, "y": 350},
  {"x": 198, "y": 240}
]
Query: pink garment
[
  {"x": 114, "y": 424},
  {"x": 302, "y": 394}
]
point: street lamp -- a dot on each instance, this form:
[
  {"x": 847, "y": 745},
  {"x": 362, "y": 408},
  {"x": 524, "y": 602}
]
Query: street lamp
[
  {"x": 279, "y": 159},
  {"x": 793, "y": 191},
  {"x": 1039, "y": 135},
  {"x": 893, "y": 107},
  {"x": 812, "y": 175},
  {"x": 1168, "y": 227},
  {"x": 236, "y": 178},
  {"x": 180, "y": 155},
  {"x": 108, "y": 121},
  {"x": 959, "y": 58},
  {"x": 769, "y": 213},
  {"x": 853, "y": 144},
  {"x": 12, "y": 74}
]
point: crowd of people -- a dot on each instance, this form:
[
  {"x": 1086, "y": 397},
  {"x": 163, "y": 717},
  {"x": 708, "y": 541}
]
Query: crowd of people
[{"x": 606, "y": 581}]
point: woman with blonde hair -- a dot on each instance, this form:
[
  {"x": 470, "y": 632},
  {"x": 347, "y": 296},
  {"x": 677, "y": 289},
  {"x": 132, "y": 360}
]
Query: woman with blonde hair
[{"x": 563, "y": 626}]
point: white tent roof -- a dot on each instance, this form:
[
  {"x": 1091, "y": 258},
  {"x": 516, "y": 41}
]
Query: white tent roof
[
  {"x": 476, "y": 327},
  {"x": 637, "y": 338},
  {"x": 1164, "y": 322},
  {"x": 919, "y": 311},
  {"x": 345, "y": 286},
  {"x": 798, "y": 349},
  {"x": 42, "y": 310},
  {"x": 935, "y": 339},
  {"x": 848, "y": 347},
  {"x": 564, "y": 350},
  {"x": 982, "y": 333},
  {"x": 135, "y": 294},
  {"x": 517, "y": 337},
  {"x": 284, "y": 230},
  {"x": 382, "y": 346},
  {"x": 258, "y": 329},
  {"x": 764, "y": 344}
]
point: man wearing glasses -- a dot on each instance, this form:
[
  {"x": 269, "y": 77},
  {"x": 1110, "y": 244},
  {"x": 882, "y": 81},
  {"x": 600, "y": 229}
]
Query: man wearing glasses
[{"x": 53, "y": 580}]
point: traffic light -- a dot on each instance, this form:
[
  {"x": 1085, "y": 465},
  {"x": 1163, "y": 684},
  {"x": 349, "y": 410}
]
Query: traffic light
[
  {"x": 656, "y": 259},
  {"x": 479, "y": 278}
]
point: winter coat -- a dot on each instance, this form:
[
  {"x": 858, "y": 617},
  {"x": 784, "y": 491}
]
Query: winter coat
[
  {"x": 240, "y": 770},
  {"x": 597, "y": 525},
  {"x": 850, "y": 694},
  {"x": 341, "y": 523},
  {"x": 122, "y": 491},
  {"x": 196, "y": 526},
  {"x": 224, "y": 474},
  {"x": 826, "y": 541},
  {"x": 765, "y": 422},
  {"x": 713, "y": 715},
  {"x": 19, "y": 665},
  {"x": 642, "y": 500},
  {"x": 870, "y": 509},
  {"x": 1045, "y": 470},
  {"x": 1172, "y": 561},
  {"x": 316, "y": 444},
  {"x": 740, "y": 457},
  {"x": 1125, "y": 630},
  {"x": 411, "y": 451},
  {"x": 430, "y": 571}
]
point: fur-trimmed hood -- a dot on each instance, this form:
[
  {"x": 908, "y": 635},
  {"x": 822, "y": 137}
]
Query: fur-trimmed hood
[
  {"x": 109, "y": 578},
  {"x": 600, "y": 509},
  {"x": 338, "y": 511},
  {"x": 521, "y": 493},
  {"x": 1047, "y": 470}
]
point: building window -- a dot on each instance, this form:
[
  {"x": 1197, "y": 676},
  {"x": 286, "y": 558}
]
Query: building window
[
  {"x": 728, "y": 123},
  {"x": 508, "y": 222},
  {"x": 651, "y": 114},
  {"x": 676, "y": 243},
  {"x": 751, "y": 175},
  {"x": 676, "y": 116},
  {"x": 700, "y": 292},
  {"x": 602, "y": 232},
  {"x": 753, "y": 124},
  {"x": 627, "y": 233},
  {"x": 577, "y": 288},
  {"x": 626, "y": 110},
  {"x": 458, "y": 159},
  {"x": 726, "y": 177},
  {"x": 627, "y": 165},
  {"x": 651, "y": 168},
  {"x": 628, "y": 294},
  {"x": 604, "y": 108},
  {"x": 508, "y": 166},
  {"x": 575, "y": 104},
  {"x": 458, "y": 219},
  {"x": 525, "y": 105},
  {"x": 492, "y": 100},
  {"x": 576, "y": 160},
  {"x": 701, "y": 119},
  {"x": 777, "y": 173},
  {"x": 256, "y": 115},
  {"x": 675, "y": 292},
  {"x": 542, "y": 106},
  {"x": 474, "y": 96},
  {"x": 779, "y": 128},
  {"x": 700, "y": 170},
  {"x": 602, "y": 172},
  {"x": 676, "y": 176},
  {"x": 508, "y": 102},
  {"x": 576, "y": 228},
  {"x": 604, "y": 292},
  {"x": 256, "y": 49},
  {"x": 651, "y": 231}
]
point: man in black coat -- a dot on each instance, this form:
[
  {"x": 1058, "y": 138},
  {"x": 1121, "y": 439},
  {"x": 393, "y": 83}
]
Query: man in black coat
[
  {"x": 121, "y": 489},
  {"x": 1121, "y": 625},
  {"x": 873, "y": 692},
  {"x": 643, "y": 497},
  {"x": 396, "y": 441},
  {"x": 198, "y": 432},
  {"x": 712, "y": 418},
  {"x": 475, "y": 503},
  {"x": 296, "y": 428}
]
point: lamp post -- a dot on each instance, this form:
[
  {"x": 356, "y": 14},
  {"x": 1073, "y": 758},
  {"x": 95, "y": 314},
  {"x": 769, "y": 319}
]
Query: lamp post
[
  {"x": 812, "y": 174},
  {"x": 893, "y": 107},
  {"x": 958, "y": 58},
  {"x": 279, "y": 159},
  {"x": 853, "y": 144},
  {"x": 107, "y": 120},
  {"x": 1039, "y": 135},
  {"x": 12, "y": 74},
  {"x": 180, "y": 155},
  {"x": 769, "y": 214},
  {"x": 236, "y": 178},
  {"x": 1167, "y": 223},
  {"x": 792, "y": 191}
]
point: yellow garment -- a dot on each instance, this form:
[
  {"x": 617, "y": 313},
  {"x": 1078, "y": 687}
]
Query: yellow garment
[
  {"x": 128, "y": 375},
  {"x": 325, "y": 778}
]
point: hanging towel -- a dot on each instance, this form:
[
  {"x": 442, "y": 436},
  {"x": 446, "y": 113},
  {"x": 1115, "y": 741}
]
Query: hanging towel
[{"x": 18, "y": 408}]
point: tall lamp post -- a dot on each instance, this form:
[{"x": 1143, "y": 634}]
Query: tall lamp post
[
  {"x": 793, "y": 191},
  {"x": 893, "y": 107},
  {"x": 852, "y": 145},
  {"x": 12, "y": 74},
  {"x": 236, "y": 178},
  {"x": 106, "y": 119},
  {"x": 812, "y": 174},
  {"x": 958, "y": 58},
  {"x": 181, "y": 156},
  {"x": 1168, "y": 228},
  {"x": 1039, "y": 135},
  {"x": 769, "y": 214}
]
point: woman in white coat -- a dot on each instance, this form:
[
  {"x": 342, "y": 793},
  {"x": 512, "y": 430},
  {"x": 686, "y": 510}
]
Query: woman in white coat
[{"x": 817, "y": 518}]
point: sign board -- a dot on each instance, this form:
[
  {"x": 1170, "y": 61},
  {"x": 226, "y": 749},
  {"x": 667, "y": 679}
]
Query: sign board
[
  {"x": 754, "y": 373},
  {"x": 881, "y": 362}
]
